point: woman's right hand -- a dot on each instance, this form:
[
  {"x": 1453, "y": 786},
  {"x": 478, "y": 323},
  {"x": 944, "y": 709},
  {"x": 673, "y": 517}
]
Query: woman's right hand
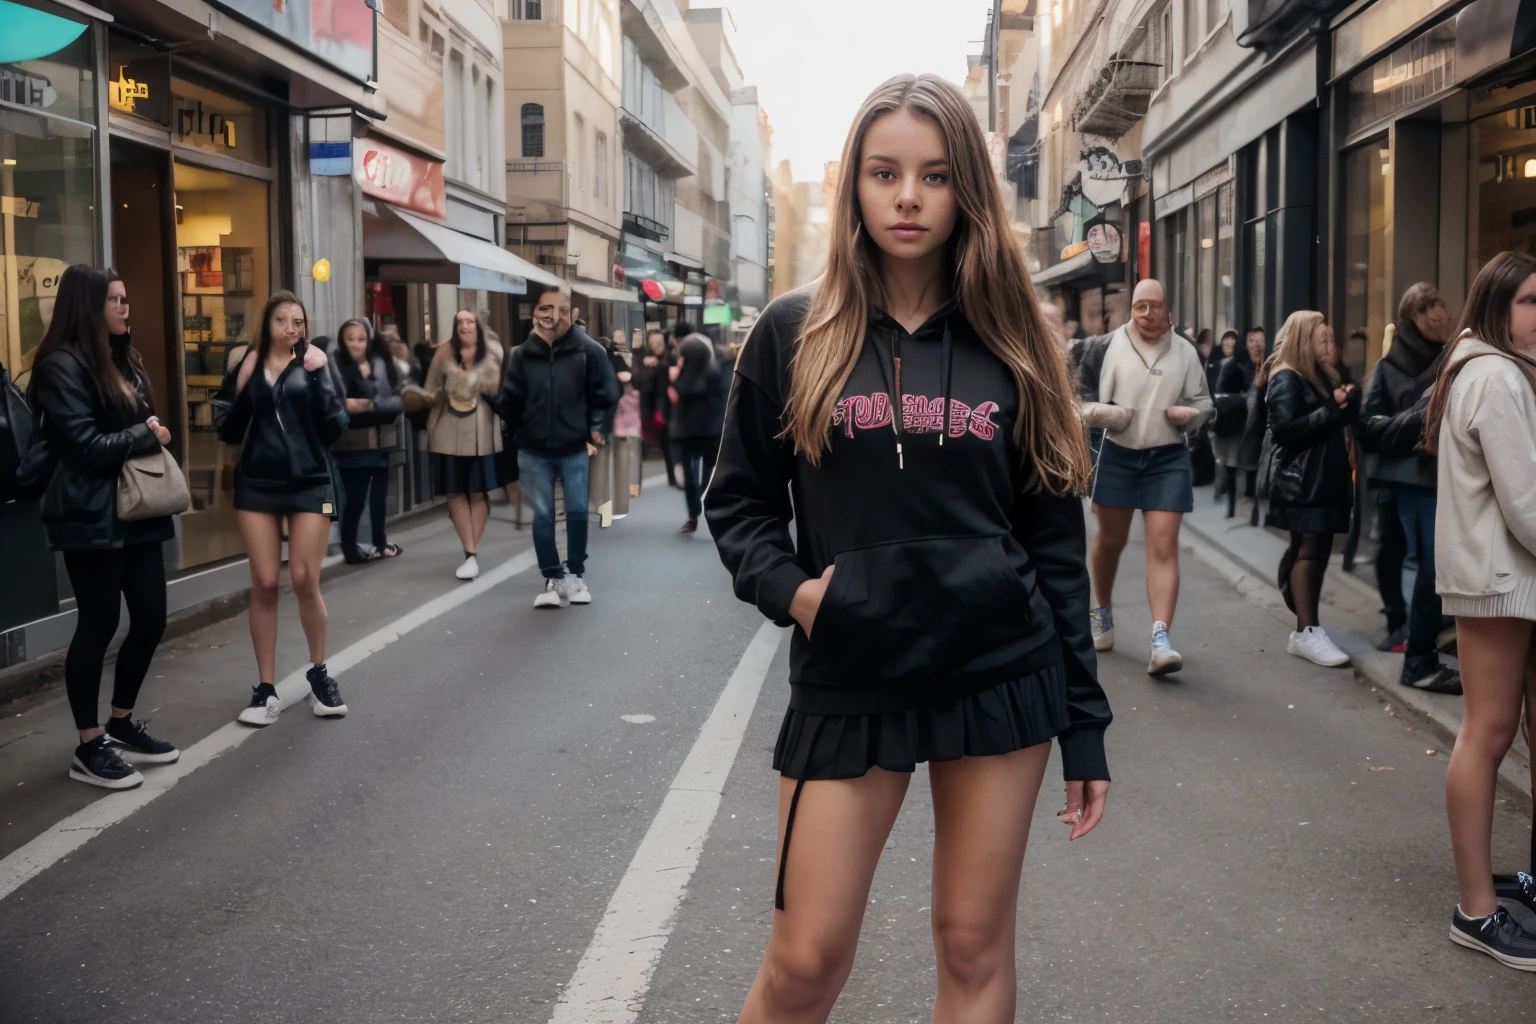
[
  {"x": 1341, "y": 395},
  {"x": 159, "y": 430},
  {"x": 807, "y": 600},
  {"x": 357, "y": 405}
]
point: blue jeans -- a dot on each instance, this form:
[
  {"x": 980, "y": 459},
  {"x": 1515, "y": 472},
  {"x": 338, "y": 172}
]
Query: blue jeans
[
  {"x": 1416, "y": 510},
  {"x": 538, "y": 474}
]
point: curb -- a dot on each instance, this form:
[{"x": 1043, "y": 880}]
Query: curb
[{"x": 1436, "y": 713}]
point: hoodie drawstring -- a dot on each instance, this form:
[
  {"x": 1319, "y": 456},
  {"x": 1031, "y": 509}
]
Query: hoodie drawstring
[{"x": 946, "y": 375}]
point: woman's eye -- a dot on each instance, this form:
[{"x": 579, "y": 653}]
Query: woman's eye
[
  {"x": 885, "y": 175},
  {"x": 936, "y": 178}
]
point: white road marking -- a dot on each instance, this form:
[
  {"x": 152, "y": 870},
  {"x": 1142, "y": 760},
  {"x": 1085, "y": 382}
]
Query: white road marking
[
  {"x": 67, "y": 836},
  {"x": 637, "y": 719},
  {"x": 614, "y": 975}
]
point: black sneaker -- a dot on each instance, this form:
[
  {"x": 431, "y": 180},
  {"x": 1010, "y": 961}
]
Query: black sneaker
[
  {"x": 1397, "y": 639},
  {"x": 135, "y": 746},
  {"x": 328, "y": 702},
  {"x": 1498, "y": 935},
  {"x": 262, "y": 710},
  {"x": 97, "y": 764},
  {"x": 1518, "y": 887},
  {"x": 1428, "y": 674}
]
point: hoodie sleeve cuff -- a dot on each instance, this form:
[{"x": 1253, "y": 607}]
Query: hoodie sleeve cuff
[
  {"x": 1082, "y": 754},
  {"x": 778, "y": 590}
]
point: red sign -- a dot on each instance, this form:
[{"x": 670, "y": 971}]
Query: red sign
[
  {"x": 396, "y": 176},
  {"x": 1144, "y": 250}
]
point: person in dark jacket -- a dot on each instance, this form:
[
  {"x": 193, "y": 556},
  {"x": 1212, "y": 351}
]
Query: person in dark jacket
[
  {"x": 696, "y": 420},
  {"x": 96, "y": 412},
  {"x": 652, "y": 379},
  {"x": 370, "y": 385},
  {"x": 1311, "y": 482},
  {"x": 878, "y": 491},
  {"x": 1391, "y": 429},
  {"x": 280, "y": 403},
  {"x": 1234, "y": 382},
  {"x": 556, "y": 391}
]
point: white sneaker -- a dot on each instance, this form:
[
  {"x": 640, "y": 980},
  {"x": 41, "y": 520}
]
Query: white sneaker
[
  {"x": 1164, "y": 658},
  {"x": 553, "y": 596},
  {"x": 1313, "y": 644},
  {"x": 1102, "y": 622},
  {"x": 576, "y": 591},
  {"x": 469, "y": 570},
  {"x": 259, "y": 712}
]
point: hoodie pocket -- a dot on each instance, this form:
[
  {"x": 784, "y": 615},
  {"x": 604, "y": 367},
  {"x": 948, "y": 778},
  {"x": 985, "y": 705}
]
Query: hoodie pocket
[{"x": 934, "y": 608}]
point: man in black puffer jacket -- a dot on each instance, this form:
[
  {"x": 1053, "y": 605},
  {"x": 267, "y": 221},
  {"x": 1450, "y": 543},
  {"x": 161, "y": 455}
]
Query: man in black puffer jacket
[
  {"x": 1391, "y": 428},
  {"x": 556, "y": 390}
]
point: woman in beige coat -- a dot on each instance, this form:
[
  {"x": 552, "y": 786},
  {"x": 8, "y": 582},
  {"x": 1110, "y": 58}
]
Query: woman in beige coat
[{"x": 463, "y": 433}]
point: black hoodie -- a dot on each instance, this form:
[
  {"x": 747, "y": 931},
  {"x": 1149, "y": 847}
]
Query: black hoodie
[
  {"x": 555, "y": 396},
  {"x": 949, "y": 578},
  {"x": 1392, "y": 419}
]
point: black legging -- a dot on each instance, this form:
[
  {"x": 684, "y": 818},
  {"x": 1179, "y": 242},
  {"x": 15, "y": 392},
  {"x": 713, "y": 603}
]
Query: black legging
[
  {"x": 363, "y": 485},
  {"x": 698, "y": 455},
  {"x": 1307, "y": 562},
  {"x": 137, "y": 572}
]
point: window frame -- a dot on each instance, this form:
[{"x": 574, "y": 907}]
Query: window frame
[{"x": 526, "y": 114}]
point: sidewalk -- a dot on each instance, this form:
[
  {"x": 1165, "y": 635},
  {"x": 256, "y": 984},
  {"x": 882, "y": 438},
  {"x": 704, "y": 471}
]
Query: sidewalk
[{"x": 1248, "y": 557}]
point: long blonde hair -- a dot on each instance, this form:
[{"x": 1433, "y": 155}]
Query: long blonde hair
[
  {"x": 1294, "y": 351},
  {"x": 990, "y": 283}
]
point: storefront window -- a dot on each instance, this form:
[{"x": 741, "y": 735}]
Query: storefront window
[
  {"x": 1367, "y": 238},
  {"x": 1226, "y": 313},
  {"x": 223, "y": 265},
  {"x": 1503, "y": 206},
  {"x": 214, "y": 123},
  {"x": 1207, "y": 260},
  {"x": 47, "y": 170}
]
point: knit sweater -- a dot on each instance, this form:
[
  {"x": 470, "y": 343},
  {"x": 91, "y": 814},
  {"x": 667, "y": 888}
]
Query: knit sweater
[
  {"x": 1147, "y": 380},
  {"x": 1485, "y": 525}
]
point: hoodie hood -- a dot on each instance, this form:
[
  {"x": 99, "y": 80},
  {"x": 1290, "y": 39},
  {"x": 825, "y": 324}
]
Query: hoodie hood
[{"x": 1411, "y": 352}]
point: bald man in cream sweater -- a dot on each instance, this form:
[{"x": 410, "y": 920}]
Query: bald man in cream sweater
[{"x": 1144, "y": 386}]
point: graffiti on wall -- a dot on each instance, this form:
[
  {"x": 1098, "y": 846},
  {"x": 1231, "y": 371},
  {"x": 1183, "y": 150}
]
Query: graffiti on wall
[{"x": 1090, "y": 203}]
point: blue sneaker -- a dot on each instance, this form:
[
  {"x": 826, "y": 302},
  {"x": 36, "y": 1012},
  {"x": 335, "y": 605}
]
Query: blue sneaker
[
  {"x": 1102, "y": 622},
  {"x": 1164, "y": 658}
]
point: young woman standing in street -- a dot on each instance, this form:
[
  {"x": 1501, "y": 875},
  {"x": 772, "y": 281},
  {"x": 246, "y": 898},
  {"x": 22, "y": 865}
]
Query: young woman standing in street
[
  {"x": 1233, "y": 387},
  {"x": 911, "y": 417},
  {"x": 97, "y": 411},
  {"x": 1482, "y": 423},
  {"x": 281, "y": 405},
  {"x": 464, "y": 432},
  {"x": 651, "y": 381},
  {"x": 1311, "y": 481},
  {"x": 371, "y": 384}
]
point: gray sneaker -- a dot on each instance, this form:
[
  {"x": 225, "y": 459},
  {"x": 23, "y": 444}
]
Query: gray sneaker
[
  {"x": 1102, "y": 622},
  {"x": 575, "y": 589}
]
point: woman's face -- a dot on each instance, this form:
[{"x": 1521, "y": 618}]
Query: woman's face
[
  {"x": 1256, "y": 347},
  {"x": 464, "y": 328},
  {"x": 1322, "y": 346},
  {"x": 1228, "y": 344},
  {"x": 356, "y": 340},
  {"x": 906, "y": 196},
  {"x": 656, "y": 343},
  {"x": 286, "y": 327},
  {"x": 116, "y": 312},
  {"x": 1522, "y": 317}
]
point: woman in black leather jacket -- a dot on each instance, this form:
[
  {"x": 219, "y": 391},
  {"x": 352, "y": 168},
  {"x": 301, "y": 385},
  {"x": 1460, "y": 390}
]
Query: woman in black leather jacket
[
  {"x": 97, "y": 412},
  {"x": 281, "y": 405},
  {"x": 371, "y": 385},
  {"x": 1309, "y": 471}
]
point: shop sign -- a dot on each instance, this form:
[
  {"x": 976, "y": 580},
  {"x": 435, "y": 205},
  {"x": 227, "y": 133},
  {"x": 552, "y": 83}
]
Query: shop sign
[
  {"x": 396, "y": 176},
  {"x": 198, "y": 127},
  {"x": 338, "y": 32},
  {"x": 1103, "y": 239},
  {"x": 140, "y": 80},
  {"x": 26, "y": 90}
]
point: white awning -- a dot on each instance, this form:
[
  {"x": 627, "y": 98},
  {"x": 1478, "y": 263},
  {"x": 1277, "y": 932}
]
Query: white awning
[
  {"x": 603, "y": 293},
  {"x": 399, "y": 239},
  {"x": 1080, "y": 265}
]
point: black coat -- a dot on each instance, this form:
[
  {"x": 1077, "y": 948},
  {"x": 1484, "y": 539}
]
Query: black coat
[
  {"x": 1308, "y": 462},
  {"x": 285, "y": 429},
  {"x": 1392, "y": 421},
  {"x": 1230, "y": 394},
  {"x": 89, "y": 440},
  {"x": 556, "y": 396},
  {"x": 651, "y": 382},
  {"x": 698, "y": 413}
]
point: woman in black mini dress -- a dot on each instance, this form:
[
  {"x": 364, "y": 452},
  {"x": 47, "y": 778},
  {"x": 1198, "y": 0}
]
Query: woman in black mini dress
[
  {"x": 281, "y": 405},
  {"x": 898, "y": 479}
]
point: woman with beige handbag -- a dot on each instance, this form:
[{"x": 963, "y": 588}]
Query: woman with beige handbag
[
  {"x": 97, "y": 418},
  {"x": 463, "y": 432}
]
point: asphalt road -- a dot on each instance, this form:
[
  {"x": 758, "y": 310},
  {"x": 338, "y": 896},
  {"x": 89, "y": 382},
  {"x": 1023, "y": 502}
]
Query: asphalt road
[{"x": 1275, "y": 848}]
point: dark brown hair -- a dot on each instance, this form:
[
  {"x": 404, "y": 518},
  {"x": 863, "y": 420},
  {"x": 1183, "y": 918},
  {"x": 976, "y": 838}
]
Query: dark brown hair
[
  {"x": 1418, "y": 298},
  {"x": 264, "y": 328},
  {"x": 453, "y": 338},
  {"x": 1486, "y": 318},
  {"x": 79, "y": 327}
]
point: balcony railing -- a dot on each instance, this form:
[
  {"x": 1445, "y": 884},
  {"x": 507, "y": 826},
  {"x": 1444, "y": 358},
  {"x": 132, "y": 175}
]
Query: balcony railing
[
  {"x": 645, "y": 227},
  {"x": 1117, "y": 98}
]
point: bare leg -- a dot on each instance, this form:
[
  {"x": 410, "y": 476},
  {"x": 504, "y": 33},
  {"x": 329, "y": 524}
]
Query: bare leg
[
  {"x": 463, "y": 522},
  {"x": 1108, "y": 543},
  {"x": 982, "y": 808},
  {"x": 1162, "y": 563},
  {"x": 840, "y": 828},
  {"x": 308, "y": 535},
  {"x": 264, "y": 548},
  {"x": 479, "y": 514},
  {"x": 1494, "y": 654}
]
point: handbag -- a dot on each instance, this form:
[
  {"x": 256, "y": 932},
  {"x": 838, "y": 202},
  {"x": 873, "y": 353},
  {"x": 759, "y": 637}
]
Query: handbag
[
  {"x": 16, "y": 430},
  {"x": 151, "y": 486},
  {"x": 1231, "y": 414}
]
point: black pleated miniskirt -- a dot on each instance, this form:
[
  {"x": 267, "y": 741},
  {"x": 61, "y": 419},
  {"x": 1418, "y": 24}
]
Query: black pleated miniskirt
[
  {"x": 1012, "y": 715},
  {"x": 464, "y": 474},
  {"x": 319, "y": 499}
]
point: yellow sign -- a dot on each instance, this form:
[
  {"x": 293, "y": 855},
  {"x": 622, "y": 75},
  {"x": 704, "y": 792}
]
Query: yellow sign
[
  {"x": 1074, "y": 249},
  {"x": 321, "y": 271},
  {"x": 123, "y": 92}
]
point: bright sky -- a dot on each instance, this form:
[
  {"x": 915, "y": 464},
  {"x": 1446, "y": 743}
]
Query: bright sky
[{"x": 814, "y": 61}]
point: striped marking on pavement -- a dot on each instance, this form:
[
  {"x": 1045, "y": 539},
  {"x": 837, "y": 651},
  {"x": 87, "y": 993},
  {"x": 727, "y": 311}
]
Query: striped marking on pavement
[
  {"x": 614, "y": 975},
  {"x": 67, "y": 836}
]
